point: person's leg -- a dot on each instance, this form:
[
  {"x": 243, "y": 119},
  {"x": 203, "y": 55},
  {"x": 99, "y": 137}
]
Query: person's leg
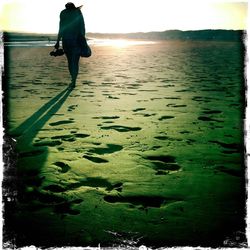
[
  {"x": 71, "y": 50},
  {"x": 73, "y": 65}
]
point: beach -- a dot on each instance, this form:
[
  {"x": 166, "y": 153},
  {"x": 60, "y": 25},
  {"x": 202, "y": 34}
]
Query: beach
[{"x": 147, "y": 149}]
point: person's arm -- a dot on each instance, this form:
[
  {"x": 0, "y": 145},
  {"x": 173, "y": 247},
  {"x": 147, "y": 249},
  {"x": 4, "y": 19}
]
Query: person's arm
[
  {"x": 57, "y": 45},
  {"x": 82, "y": 24},
  {"x": 59, "y": 36}
]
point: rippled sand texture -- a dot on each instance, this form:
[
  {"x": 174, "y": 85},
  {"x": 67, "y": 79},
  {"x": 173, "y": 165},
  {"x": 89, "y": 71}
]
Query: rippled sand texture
[{"x": 147, "y": 149}]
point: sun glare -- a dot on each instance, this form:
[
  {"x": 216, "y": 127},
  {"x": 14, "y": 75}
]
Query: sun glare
[{"x": 118, "y": 43}]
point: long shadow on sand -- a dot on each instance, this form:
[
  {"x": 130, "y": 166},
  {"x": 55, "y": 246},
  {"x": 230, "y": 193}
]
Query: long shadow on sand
[
  {"x": 25, "y": 170},
  {"x": 39, "y": 118}
]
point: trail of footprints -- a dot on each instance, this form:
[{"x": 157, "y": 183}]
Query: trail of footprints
[
  {"x": 93, "y": 182},
  {"x": 59, "y": 139},
  {"x": 161, "y": 164},
  {"x": 60, "y": 205}
]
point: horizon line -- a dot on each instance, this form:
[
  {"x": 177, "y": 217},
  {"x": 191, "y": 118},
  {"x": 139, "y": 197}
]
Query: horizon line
[{"x": 122, "y": 33}]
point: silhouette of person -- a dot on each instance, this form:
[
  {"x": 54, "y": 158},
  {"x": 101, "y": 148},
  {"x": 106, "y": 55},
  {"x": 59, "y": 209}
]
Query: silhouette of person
[{"x": 72, "y": 32}]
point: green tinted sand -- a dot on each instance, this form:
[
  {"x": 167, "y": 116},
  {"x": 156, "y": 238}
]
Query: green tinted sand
[{"x": 147, "y": 149}]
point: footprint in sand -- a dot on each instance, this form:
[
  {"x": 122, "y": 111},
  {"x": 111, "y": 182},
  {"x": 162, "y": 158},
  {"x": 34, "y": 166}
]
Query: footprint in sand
[
  {"x": 166, "y": 117},
  {"x": 134, "y": 86},
  {"x": 70, "y": 137},
  {"x": 148, "y": 115},
  {"x": 148, "y": 90},
  {"x": 61, "y": 122},
  {"x": 87, "y": 82},
  {"x": 106, "y": 122},
  {"x": 168, "y": 138},
  {"x": 163, "y": 164},
  {"x": 79, "y": 135},
  {"x": 142, "y": 114},
  {"x": 172, "y": 98},
  {"x": 138, "y": 109},
  {"x": 202, "y": 99},
  {"x": 185, "y": 132},
  {"x": 155, "y": 147},
  {"x": 108, "y": 95},
  {"x": 95, "y": 159},
  {"x": 64, "y": 167},
  {"x": 208, "y": 119},
  {"x": 211, "y": 112},
  {"x": 121, "y": 128},
  {"x": 72, "y": 107},
  {"x": 111, "y": 148},
  {"x": 47, "y": 143},
  {"x": 93, "y": 182},
  {"x": 106, "y": 117},
  {"x": 161, "y": 137},
  {"x": 141, "y": 201},
  {"x": 172, "y": 105},
  {"x": 96, "y": 182}
]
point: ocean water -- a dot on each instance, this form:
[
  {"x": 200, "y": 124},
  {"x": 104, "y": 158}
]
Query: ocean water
[
  {"x": 91, "y": 41},
  {"x": 148, "y": 149}
]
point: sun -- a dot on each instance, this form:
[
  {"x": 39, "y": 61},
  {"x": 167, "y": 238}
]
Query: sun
[{"x": 119, "y": 43}]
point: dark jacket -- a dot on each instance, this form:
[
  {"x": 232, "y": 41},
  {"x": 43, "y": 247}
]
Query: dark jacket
[{"x": 71, "y": 24}]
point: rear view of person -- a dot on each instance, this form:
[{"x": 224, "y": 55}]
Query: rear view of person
[{"x": 72, "y": 32}]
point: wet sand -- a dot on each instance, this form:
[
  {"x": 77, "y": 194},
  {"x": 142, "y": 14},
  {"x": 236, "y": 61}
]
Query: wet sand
[{"x": 147, "y": 149}]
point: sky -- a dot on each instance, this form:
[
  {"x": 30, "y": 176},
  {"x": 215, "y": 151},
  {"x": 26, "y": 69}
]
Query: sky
[{"x": 123, "y": 16}]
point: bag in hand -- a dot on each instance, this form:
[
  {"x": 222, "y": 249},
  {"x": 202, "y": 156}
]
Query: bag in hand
[
  {"x": 85, "y": 49},
  {"x": 57, "y": 52}
]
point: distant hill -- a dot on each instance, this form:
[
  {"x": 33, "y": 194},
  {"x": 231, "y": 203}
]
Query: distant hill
[
  {"x": 202, "y": 35},
  {"x": 198, "y": 35}
]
